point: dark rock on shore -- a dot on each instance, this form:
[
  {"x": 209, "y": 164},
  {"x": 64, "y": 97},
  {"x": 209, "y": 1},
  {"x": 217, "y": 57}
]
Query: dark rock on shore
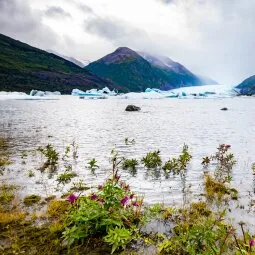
[{"x": 132, "y": 108}]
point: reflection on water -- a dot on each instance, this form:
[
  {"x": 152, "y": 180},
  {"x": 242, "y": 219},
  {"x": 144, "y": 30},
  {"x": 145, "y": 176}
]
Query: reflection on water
[{"x": 98, "y": 126}]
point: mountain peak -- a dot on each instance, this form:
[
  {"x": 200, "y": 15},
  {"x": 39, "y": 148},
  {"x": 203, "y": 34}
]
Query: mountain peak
[
  {"x": 124, "y": 50},
  {"x": 121, "y": 54}
]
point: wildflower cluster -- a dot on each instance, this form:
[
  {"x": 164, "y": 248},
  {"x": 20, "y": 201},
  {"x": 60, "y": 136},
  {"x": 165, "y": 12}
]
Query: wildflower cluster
[{"x": 111, "y": 209}]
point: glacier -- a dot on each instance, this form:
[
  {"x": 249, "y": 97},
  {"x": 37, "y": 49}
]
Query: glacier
[{"x": 194, "y": 92}]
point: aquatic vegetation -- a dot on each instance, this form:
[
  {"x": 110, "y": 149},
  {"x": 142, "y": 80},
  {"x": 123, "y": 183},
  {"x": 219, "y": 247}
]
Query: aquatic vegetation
[
  {"x": 49, "y": 198},
  {"x": 57, "y": 208},
  {"x": 52, "y": 157},
  {"x": 110, "y": 217},
  {"x": 253, "y": 168},
  {"x": 31, "y": 173},
  {"x": 218, "y": 190},
  {"x": 178, "y": 165},
  {"x": 65, "y": 178},
  {"x": 224, "y": 160},
  {"x": 4, "y": 155},
  {"x": 11, "y": 217},
  {"x": 152, "y": 159},
  {"x": 93, "y": 165},
  {"x": 7, "y": 193},
  {"x": 31, "y": 200},
  {"x": 129, "y": 142},
  {"x": 75, "y": 147},
  {"x": 130, "y": 164},
  {"x": 79, "y": 186}
]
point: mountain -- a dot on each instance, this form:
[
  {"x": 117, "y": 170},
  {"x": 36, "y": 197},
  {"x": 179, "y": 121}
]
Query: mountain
[
  {"x": 23, "y": 68},
  {"x": 138, "y": 71},
  {"x": 80, "y": 63},
  {"x": 178, "y": 74},
  {"x": 247, "y": 87},
  {"x": 127, "y": 68}
]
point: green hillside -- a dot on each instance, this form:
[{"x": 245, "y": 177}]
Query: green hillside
[
  {"x": 247, "y": 86},
  {"x": 136, "y": 72},
  {"x": 23, "y": 68}
]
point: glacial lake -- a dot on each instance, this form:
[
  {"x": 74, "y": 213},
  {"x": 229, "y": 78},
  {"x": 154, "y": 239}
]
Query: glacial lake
[{"x": 98, "y": 126}]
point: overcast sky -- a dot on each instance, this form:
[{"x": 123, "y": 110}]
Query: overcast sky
[{"x": 215, "y": 38}]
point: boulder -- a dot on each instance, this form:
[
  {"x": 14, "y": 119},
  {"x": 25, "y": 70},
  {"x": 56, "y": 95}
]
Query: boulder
[{"x": 132, "y": 108}]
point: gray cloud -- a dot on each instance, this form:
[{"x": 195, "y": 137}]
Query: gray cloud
[
  {"x": 57, "y": 12},
  {"x": 80, "y": 6},
  {"x": 83, "y": 7},
  {"x": 112, "y": 29},
  {"x": 19, "y": 21}
]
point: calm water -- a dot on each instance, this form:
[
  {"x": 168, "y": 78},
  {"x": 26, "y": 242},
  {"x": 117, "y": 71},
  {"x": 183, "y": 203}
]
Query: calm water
[{"x": 98, "y": 126}]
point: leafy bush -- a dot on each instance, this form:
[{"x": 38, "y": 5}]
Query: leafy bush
[
  {"x": 130, "y": 164},
  {"x": 224, "y": 160},
  {"x": 112, "y": 209},
  {"x": 178, "y": 165},
  {"x": 51, "y": 156},
  {"x": 152, "y": 159}
]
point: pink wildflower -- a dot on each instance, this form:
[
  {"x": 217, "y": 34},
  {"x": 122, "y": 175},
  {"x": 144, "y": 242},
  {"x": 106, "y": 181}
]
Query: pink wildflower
[
  {"x": 94, "y": 196},
  {"x": 101, "y": 200},
  {"x": 131, "y": 196},
  {"x": 252, "y": 242},
  {"x": 124, "y": 200},
  {"x": 72, "y": 198}
]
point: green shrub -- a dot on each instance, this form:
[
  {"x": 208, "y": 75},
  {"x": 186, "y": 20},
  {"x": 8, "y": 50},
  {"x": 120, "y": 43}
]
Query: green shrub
[{"x": 152, "y": 159}]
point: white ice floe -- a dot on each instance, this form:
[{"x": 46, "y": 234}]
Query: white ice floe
[
  {"x": 34, "y": 95},
  {"x": 39, "y": 93},
  {"x": 94, "y": 93}
]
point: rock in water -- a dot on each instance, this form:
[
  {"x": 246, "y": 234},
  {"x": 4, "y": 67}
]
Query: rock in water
[
  {"x": 224, "y": 109},
  {"x": 132, "y": 108}
]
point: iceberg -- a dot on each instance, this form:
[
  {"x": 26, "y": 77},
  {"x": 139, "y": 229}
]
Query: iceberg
[
  {"x": 39, "y": 93},
  {"x": 23, "y": 96},
  {"x": 94, "y": 93}
]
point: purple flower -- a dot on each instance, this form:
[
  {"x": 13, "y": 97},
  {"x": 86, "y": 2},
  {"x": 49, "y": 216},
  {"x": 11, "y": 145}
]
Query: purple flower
[
  {"x": 131, "y": 196},
  {"x": 124, "y": 200},
  {"x": 72, "y": 198},
  {"x": 117, "y": 177},
  {"x": 252, "y": 242},
  {"x": 122, "y": 184},
  {"x": 101, "y": 200},
  {"x": 126, "y": 187},
  {"x": 93, "y": 196},
  {"x": 134, "y": 204},
  {"x": 100, "y": 187}
]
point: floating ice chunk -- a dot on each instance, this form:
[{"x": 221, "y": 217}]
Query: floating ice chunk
[
  {"x": 39, "y": 93},
  {"x": 94, "y": 93}
]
